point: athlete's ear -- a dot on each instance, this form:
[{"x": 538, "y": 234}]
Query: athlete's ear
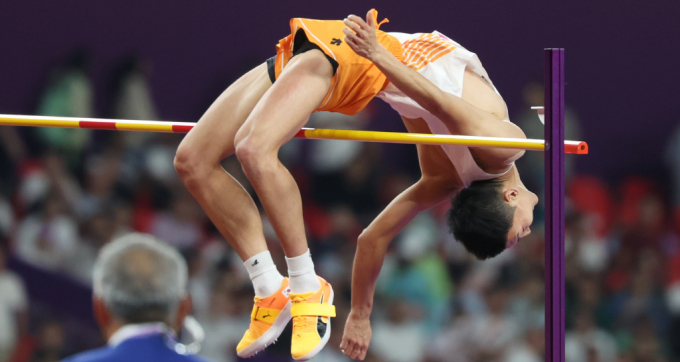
[{"x": 510, "y": 195}]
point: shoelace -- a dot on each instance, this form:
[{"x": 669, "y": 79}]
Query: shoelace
[{"x": 303, "y": 323}]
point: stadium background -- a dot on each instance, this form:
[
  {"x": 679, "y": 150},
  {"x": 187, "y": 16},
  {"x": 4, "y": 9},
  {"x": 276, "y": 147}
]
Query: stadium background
[{"x": 64, "y": 193}]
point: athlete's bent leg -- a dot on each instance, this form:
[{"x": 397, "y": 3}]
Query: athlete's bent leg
[
  {"x": 283, "y": 110},
  {"x": 230, "y": 207},
  {"x": 224, "y": 200}
]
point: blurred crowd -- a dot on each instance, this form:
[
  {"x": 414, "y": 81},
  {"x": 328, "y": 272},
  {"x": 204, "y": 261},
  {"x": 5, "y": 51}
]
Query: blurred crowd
[{"x": 66, "y": 192}]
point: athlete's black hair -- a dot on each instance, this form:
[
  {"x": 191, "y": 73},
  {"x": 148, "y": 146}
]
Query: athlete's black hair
[{"x": 480, "y": 219}]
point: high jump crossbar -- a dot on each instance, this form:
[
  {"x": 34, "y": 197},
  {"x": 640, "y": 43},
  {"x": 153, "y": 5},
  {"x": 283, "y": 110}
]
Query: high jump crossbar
[
  {"x": 575, "y": 147},
  {"x": 554, "y": 205}
]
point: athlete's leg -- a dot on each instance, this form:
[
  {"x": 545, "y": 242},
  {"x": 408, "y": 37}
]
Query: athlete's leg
[
  {"x": 283, "y": 110},
  {"x": 230, "y": 207},
  {"x": 198, "y": 158}
]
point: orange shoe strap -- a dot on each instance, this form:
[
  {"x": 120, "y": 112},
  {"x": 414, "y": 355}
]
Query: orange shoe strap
[{"x": 312, "y": 309}]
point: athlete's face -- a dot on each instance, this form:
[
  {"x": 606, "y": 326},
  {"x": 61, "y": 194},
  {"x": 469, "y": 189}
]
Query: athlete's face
[{"x": 524, "y": 201}]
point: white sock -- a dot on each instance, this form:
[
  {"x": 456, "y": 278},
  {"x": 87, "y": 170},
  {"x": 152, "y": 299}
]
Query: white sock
[
  {"x": 262, "y": 270},
  {"x": 301, "y": 272}
]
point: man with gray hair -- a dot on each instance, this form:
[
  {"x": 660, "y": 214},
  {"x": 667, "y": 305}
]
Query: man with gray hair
[{"x": 140, "y": 302}]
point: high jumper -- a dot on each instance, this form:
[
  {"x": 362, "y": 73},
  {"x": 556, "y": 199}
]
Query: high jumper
[{"x": 339, "y": 66}]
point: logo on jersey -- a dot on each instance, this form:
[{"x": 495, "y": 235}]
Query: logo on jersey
[{"x": 336, "y": 42}]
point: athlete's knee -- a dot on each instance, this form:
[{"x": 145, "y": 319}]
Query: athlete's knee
[
  {"x": 255, "y": 157},
  {"x": 190, "y": 166},
  {"x": 249, "y": 152}
]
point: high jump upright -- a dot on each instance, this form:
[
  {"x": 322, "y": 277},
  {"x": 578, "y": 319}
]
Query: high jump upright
[{"x": 554, "y": 205}]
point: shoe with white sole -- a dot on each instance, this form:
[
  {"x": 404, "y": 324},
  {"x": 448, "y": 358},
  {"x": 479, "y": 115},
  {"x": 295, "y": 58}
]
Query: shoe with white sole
[
  {"x": 269, "y": 317},
  {"x": 311, "y": 314}
]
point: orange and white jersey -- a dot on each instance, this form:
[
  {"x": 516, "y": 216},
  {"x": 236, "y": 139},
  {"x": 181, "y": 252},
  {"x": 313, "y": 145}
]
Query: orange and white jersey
[{"x": 442, "y": 61}]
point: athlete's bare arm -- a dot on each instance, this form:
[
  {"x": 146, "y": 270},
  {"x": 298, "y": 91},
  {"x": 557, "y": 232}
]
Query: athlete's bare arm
[
  {"x": 459, "y": 115},
  {"x": 438, "y": 182}
]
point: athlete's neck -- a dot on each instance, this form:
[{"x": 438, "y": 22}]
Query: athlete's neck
[{"x": 511, "y": 178}]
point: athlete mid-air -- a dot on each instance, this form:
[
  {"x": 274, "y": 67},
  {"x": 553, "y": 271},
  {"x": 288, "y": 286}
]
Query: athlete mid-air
[{"x": 339, "y": 66}]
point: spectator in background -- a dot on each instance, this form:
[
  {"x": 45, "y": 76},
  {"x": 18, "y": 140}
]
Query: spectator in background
[
  {"x": 60, "y": 180},
  {"x": 205, "y": 266},
  {"x": 587, "y": 251},
  {"x": 98, "y": 231},
  {"x": 585, "y": 294},
  {"x": 642, "y": 214},
  {"x": 531, "y": 349},
  {"x": 642, "y": 299},
  {"x": 527, "y": 305},
  {"x": 140, "y": 301},
  {"x": 13, "y": 309},
  {"x": 587, "y": 342},
  {"x": 421, "y": 277},
  {"x": 330, "y": 156},
  {"x": 12, "y": 151},
  {"x": 343, "y": 172},
  {"x": 181, "y": 225},
  {"x": 34, "y": 185},
  {"x": 48, "y": 236},
  {"x": 646, "y": 346},
  {"x": 68, "y": 93},
  {"x": 7, "y": 219},
  {"x": 131, "y": 97},
  {"x": 480, "y": 336},
  {"x": 50, "y": 342},
  {"x": 400, "y": 338},
  {"x": 158, "y": 159},
  {"x": 354, "y": 184},
  {"x": 130, "y": 90},
  {"x": 101, "y": 177},
  {"x": 226, "y": 317},
  {"x": 122, "y": 218}
]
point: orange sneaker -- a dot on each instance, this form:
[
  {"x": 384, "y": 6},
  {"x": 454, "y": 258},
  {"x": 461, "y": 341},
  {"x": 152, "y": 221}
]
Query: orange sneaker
[
  {"x": 311, "y": 321},
  {"x": 269, "y": 317}
]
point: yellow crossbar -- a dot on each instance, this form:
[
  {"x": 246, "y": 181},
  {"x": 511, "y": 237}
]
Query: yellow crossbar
[{"x": 575, "y": 147}]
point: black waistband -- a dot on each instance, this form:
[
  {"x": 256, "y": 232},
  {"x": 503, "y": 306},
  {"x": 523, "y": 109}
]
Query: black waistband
[{"x": 301, "y": 44}]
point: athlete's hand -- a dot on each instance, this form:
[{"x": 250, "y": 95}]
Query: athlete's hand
[
  {"x": 360, "y": 36},
  {"x": 356, "y": 337}
]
